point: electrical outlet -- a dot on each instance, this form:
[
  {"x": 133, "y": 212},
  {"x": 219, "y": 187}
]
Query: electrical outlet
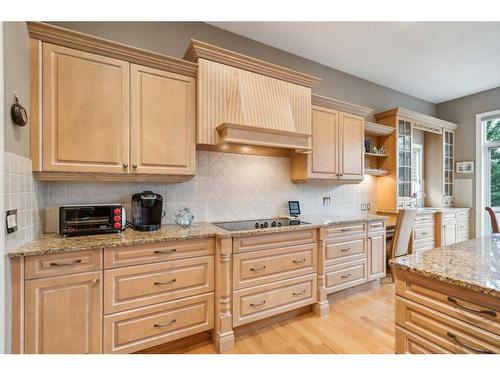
[
  {"x": 326, "y": 201},
  {"x": 363, "y": 206},
  {"x": 11, "y": 221}
]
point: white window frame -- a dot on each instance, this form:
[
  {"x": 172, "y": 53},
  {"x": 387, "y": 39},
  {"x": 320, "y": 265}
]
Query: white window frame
[{"x": 482, "y": 172}]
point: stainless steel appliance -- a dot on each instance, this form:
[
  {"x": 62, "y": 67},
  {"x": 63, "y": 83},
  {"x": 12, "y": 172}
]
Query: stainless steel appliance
[
  {"x": 87, "y": 219},
  {"x": 233, "y": 226},
  {"x": 147, "y": 211}
]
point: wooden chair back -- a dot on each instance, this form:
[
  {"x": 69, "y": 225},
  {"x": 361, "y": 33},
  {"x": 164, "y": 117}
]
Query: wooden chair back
[
  {"x": 403, "y": 232},
  {"x": 494, "y": 216}
]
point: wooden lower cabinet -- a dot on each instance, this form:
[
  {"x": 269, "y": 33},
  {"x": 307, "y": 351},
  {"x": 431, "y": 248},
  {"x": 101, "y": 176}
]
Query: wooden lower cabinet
[
  {"x": 376, "y": 255},
  {"x": 409, "y": 343},
  {"x": 63, "y": 314},
  {"x": 141, "y": 328},
  {"x": 436, "y": 317},
  {"x": 266, "y": 300}
]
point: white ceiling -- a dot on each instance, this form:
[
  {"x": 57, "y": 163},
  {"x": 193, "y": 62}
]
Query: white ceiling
[{"x": 434, "y": 61}]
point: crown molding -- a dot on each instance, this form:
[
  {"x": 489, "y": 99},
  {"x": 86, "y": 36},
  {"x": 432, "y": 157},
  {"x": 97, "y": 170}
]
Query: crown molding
[
  {"x": 339, "y": 105},
  {"x": 378, "y": 129},
  {"x": 201, "y": 50},
  {"x": 416, "y": 116},
  {"x": 84, "y": 42}
]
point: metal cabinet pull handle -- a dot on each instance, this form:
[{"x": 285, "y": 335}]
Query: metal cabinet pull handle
[
  {"x": 258, "y": 304},
  {"x": 165, "y": 251},
  {"x": 345, "y": 276},
  {"x": 345, "y": 229},
  {"x": 345, "y": 249},
  {"x": 55, "y": 264},
  {"x": 158, "y": 283},
  {"x": 258, "y": 269},
  {"x": 161, "y": 325},
  {"x": 299, "y": 261},
  {"x": 479, "y": 351},
  {"x": 489, "y": 312},
  {"x": 298, "y": 293},
  {"x": 424, "y": 233}
]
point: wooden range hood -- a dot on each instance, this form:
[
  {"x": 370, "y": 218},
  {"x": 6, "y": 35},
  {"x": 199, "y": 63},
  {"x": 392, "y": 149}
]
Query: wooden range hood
[{"x": 247, "y": 101}]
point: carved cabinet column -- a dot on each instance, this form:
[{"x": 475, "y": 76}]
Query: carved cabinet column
[
  {"x": 321, "y": 307},
  {"x": 223, "y": 335}
]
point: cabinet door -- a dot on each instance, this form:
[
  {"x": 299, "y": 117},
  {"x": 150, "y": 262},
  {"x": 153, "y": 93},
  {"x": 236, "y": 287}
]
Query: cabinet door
[
  {"x": 163, "y": 122},
  {"x": 351, "y": 139},
  {"x": 449, "y": 234},
  {"x": 324, "y": 161},
  {"x": 376, "y": 255},
  {"x": 63, "y": 314},
  {"x": 85, "y": 112}
]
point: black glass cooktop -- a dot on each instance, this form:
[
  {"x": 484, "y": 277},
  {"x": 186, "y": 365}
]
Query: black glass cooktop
[{"x": 233, "y": 226}]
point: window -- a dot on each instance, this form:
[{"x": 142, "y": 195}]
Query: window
[{"x": 487, "y": 168}]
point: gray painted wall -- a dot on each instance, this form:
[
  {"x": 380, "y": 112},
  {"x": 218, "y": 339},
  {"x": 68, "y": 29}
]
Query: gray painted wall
[
  {"x": 16, "y": 78},
  {"x": 172, "y": 38},
  {"x": 463, "y": 111}
]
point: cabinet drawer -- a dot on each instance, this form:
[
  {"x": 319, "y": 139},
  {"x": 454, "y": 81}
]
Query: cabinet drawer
[
  {"x": 409, "y": 343},
  {"x": 273, "y": 240},
  {"x": 62, "y": 264},
  {"x": 345, "y": 230},
  {"x": 258, "y": 267},
  {"x": 449, "y": 217},
  {"x": 260, "y": 302},
  {"x": 423, "y": 233},
  {"x": 443, "y": 330},
  {"x": 423, "y": 220},
  {"x": 463, "y": 214},
  {"x": 137, "y": 329},
  {"x": 423, "y": 245},
  {"x": 474, "y": 308},
  {"x": 377, "y": 226},
  {"x": 345, "y": 275},
  {"x": 129, "y": 287},
  {"x": 158, "y": 251},
  {"x": 338, "y": 252}
]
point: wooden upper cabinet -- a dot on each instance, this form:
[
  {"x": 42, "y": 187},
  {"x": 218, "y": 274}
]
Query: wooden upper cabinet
[
  {"x": 63, "y": 314},
  {"x": 324, "y": 161},
  {"x": 338, "y": 147},
  {"x": 162, "y": 122},
  {"x": 351, "y": 155},
  {"x": 85, "y": 111}
]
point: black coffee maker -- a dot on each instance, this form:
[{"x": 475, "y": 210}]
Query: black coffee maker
[{"x": 147, "y": 211}]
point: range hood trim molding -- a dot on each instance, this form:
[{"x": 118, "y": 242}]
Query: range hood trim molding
[
  {"x": 243, "y": 134},
  {"x": 198, "y": 49}
]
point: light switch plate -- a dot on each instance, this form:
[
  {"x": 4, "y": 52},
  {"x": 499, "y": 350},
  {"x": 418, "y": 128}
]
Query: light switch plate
[{"x": 11, "y": 220}]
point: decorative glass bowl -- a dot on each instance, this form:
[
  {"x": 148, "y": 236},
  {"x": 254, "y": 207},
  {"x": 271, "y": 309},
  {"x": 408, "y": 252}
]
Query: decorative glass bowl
[{"x": 184, "y": 217}]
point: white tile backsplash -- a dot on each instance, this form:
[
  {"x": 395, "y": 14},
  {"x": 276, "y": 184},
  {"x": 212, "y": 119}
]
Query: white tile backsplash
[
  {"x": 23, "y": 193},
  {"x": 226, "y": 187}
]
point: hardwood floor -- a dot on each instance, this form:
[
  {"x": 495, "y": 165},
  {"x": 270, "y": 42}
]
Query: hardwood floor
[{"x": 360, "y": 322}]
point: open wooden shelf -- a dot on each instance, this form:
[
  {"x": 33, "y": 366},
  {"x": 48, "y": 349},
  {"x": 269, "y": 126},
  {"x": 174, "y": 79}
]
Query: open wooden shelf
[
  {"x": 376, "y": 155},
  {"x": 376, "y": 172}
]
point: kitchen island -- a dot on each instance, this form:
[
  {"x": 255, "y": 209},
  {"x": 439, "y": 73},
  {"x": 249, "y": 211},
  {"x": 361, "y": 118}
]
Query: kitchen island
[{"x": 448, "y": 299}]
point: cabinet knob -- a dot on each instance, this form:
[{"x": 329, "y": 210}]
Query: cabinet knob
[
  {"x": 134, "y": 166},
  {"x": 125, "y": 165}
]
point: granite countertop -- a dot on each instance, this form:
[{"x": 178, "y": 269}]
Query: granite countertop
[
  {"x": 474, "y": 264},
  {"x": 427, "y": 210},
  {"x": 54, "y": 243}
]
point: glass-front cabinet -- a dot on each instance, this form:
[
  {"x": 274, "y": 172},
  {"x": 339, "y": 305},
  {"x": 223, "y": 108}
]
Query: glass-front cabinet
[
  {"x": 448, "y": 160},
  {"x": 404, "y": 144}
]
